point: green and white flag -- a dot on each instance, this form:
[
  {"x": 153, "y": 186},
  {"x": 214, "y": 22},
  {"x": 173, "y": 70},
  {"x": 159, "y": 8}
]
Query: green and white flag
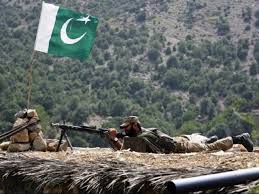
[{"x": 64, "y": 32}]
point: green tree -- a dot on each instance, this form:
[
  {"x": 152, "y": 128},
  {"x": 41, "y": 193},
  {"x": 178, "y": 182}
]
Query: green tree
[
  {"x": 199, "y": 87},
  {"x": 242, "y": 50},
  {"x": 223, "y": 27},
  {"x": 175, "y": 109},
  {"x": 118, "y": 108},
  {"x": 256, "y": 51},
  {"x": 220, "y": 129},
  {"x": 253, "y": 69},
  {"x": 247, "y": 14},
  {"x": 153, "y": 55},
  {"x": 141, "y": 17},
  {"x": 172, "y": 61},
  {"x": 135, "y": 85},
  {"x": 188, "y": 116},
  {"x": 174, "y": 78},
  {"x": 79, "y": 115},
  {"x": 257, "y": 14},
  {"x": 207, "y": 108},
  {"x": 2, "y": 84},
  {"x": 168, "y": 51},
  {"x": 257, "y": 23}
]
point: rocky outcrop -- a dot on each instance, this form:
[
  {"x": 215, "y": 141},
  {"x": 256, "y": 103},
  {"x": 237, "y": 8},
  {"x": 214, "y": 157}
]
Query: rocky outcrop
[{"x": 30, "y": 138}]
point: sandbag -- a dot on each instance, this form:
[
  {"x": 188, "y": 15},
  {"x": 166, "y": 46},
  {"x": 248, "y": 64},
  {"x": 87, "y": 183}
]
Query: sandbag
[
  {"x": 33, "y": 135},
  {"x": 52, "y": 145},
  {"x": 20, "y": 121},
  {"x": 35, "y": 128},
  {"x": 32, "y": 113},
  {"x": 39, "y": 144},
  {"x": 4, "y": 146},
  {"x": 21, "y": 137},
  {"x": 18, "y": 147}
]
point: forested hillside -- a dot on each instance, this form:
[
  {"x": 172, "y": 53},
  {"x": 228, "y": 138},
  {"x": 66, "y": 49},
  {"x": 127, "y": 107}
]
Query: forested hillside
[{"x": 181, "y": 65}]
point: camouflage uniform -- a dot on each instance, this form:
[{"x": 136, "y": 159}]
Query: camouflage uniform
[
  {"x": 159, "y": 142},
  {"x": 153, "y": 140},
  {"x": 184, "y": 145}
]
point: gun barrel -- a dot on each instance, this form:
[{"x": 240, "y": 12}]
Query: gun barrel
[
  {"x": 88, "y": 129},
  {"x": 212, "y": 181},
  {"x": 17, "y": 129}
]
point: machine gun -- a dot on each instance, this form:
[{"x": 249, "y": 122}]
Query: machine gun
[{"x": 102, "y": 132}]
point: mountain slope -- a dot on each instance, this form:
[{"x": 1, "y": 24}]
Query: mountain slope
[{"x": 181, "y": 65}]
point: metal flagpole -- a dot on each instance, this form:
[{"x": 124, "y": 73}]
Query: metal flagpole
[{"x": 30, "y": 80}]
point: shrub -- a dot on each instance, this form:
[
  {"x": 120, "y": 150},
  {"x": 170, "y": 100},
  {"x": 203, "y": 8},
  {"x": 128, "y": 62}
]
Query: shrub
[
  {"x": 168, "y": 51},
  {"x": 222, "y": 27},
  {"x": 141, "y": 17},
  {"x": 175, "y": 79},
  {"x": 253, "y": 69},
  {"x": 257, "y": 14},
  {"x": 153, "y": 55},
  {"x": 172, "y": 62},
  {"x": 257, "y": 23}
]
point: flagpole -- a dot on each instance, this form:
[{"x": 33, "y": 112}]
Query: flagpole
[{"x": 30, "y": 80}]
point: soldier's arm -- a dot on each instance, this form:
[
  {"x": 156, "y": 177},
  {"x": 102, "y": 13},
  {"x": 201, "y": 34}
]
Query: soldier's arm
[{"x": 115, "y": 138}]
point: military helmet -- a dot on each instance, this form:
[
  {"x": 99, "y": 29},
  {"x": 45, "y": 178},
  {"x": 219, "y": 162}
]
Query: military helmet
[{"x": 129, "y": 120}]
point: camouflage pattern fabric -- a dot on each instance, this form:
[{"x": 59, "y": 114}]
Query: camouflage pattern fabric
[
  {"x": 158, "y": 142},
  {"x": 184, "y": 145}
]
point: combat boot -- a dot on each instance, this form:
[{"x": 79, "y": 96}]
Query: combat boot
[
  {"x": 245, "y": 140},
  {"x": 212, "y": 139}
]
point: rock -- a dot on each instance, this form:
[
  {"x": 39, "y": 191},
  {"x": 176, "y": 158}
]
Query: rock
[
  {"x": 63, "y": 146},
  {"x": 31, "y": 113},
  {"x": 35, "y": 128},
  {"x": 21, "y": 114},
  {"x": 33, "y": 135},
  {"x": 21, "y": 137},
  {"x": 18, "y": 147},
  {"x": 20, "y": 121},
  {"x": 39, "y": 144},
  {"x": 5, "y": 145},
  {"x": 52, "y": 145}
]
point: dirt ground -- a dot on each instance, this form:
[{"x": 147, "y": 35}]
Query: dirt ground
[
  {"x": 233, "y": 159},
  {"x": 89, "y": 165}
]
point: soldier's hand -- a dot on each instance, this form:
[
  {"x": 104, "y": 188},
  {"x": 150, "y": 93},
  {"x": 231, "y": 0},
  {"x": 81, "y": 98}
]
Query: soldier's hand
[
  {"x": 114, "y": 141},
  {"x": 112, "y": 133}
]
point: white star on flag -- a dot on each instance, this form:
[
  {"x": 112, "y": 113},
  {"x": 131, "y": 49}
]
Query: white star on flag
[{"x": 84, "y": 19}]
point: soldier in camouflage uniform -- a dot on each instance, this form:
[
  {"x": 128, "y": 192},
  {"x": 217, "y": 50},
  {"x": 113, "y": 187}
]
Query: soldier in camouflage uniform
[{"x": 158, "y": 142}]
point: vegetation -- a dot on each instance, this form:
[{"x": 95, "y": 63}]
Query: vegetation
[{"x": 192, "y": 86}]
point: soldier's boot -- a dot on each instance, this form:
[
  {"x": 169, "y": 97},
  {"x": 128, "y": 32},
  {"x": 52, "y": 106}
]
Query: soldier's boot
[
  {"x": 212, "y": 139},
  {"x": 245, "y": 140}
]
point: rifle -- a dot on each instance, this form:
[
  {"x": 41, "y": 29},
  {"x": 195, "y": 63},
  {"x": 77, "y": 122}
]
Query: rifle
[
  {"x": 88, "y": 129},
  {"x": 17, "y": 129}
]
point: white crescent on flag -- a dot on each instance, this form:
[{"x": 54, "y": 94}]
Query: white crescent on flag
[{"x": 64, "y": 37}]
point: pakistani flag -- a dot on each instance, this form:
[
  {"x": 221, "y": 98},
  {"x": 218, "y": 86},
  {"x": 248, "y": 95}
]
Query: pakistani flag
[{"x": 64, "y": 32}]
